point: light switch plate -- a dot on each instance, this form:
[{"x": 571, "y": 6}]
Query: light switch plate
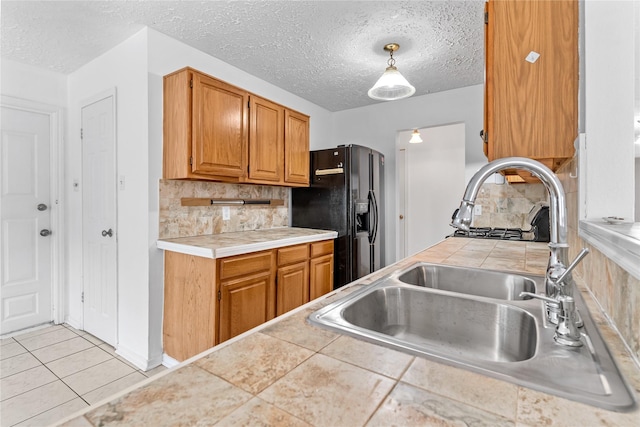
[
  {"x": 226, "y": 213},
  {"x": 477, "y": 210}
]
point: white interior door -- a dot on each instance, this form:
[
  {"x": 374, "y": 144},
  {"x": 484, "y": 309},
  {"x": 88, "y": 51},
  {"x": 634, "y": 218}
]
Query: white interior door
[
  {"x": 99, "y": 219},
  {"x": 25, "y": 254}
]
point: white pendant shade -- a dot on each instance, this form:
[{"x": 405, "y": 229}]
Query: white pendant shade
[
  {"x": 415, "y": 137},
  {"x": 391, "y": 86}
]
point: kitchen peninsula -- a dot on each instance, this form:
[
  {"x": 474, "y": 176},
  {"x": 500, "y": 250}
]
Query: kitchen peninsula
[{"x": 287, "y": 372}]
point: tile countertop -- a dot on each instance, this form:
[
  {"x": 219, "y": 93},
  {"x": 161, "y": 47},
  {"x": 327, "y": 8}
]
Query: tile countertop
[
  {"x": 242, "y": 242},
  {"x": 287, "y": 372}
]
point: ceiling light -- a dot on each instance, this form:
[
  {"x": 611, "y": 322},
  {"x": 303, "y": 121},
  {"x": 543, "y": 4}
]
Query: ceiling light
[
  {"x": 415, "y": 137},
  {"x": 391, "y": 85}
]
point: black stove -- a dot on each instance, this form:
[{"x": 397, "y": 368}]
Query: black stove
[{"x": 494, "y": 233}]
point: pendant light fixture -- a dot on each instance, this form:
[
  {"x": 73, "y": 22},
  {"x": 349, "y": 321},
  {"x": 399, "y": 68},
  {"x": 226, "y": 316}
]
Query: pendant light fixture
[
  {"x": 415, "y": 137},
  {"x": 391, "y": 85}
]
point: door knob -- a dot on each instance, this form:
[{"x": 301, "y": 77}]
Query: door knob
[
  {"x": 42, "y": 207},
  {"x": 45, "y": 232},
  {"x": 106, "y": 233},
  {"x": 401, "y": 216}
]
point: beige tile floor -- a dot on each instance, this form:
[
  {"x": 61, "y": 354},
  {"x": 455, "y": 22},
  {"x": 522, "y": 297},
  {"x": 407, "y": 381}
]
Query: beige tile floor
[{"x": 50, "y": 373}]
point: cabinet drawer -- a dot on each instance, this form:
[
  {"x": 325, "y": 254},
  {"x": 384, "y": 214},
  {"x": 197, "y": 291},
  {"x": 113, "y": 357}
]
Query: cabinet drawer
[
  {"x": 293, "y": 254},
  {"x": 321, "y": 248},
  {"x": 244, "y": 264}
]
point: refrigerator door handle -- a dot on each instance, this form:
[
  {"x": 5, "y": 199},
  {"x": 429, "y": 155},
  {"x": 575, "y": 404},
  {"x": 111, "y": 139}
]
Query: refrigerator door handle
[{"x": 373, "y": 229}]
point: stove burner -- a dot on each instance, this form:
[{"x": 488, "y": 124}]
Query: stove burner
[{"x": 492, "y": 233}]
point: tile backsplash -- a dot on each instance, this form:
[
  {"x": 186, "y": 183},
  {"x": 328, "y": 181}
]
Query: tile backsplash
[
  {"x": 183, "y": 221},
  {"x": 507, "y": 205},
  {"x": 617, "y": 291}
]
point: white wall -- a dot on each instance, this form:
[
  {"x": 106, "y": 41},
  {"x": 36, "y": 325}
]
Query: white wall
[
  {"x": 376, "y": 126},
  {"x": 609, "y": 108},
  {"x": 32, "y": 83},
  {"x": 125, "y": 69}
]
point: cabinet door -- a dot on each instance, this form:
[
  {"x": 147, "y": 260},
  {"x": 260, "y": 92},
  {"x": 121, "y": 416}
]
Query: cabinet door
[
  {"x": 321, "y": 276},
  {"x": 296, "y": 148},
  {"x": 532, "y": 105},
  {"x": 266, "y": 140},
  {"x": 245, "y": 303},
  {"x": 219, "y": 128},
  {"x": 292, "y": 287}
]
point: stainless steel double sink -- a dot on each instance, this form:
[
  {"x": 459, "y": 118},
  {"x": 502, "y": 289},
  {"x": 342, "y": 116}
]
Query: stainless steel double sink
[{"x": 475, "y": 319}]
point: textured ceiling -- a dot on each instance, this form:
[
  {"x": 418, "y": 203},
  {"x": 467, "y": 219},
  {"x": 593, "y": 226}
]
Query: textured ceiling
[{"x": 328, "y": 52}]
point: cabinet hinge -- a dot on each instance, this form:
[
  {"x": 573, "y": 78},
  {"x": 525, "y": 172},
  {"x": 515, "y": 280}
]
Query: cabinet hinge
[
  {"x": 248, "y": 104},
  {"x": 82, "y": 297},
  {"x": 486, "y": 17},
  {"x": 191, "y": 161},
  {"x": 81, "y": 133},
  {"x": 219, "y": 295},
  {"x": 191, "y": 83}
]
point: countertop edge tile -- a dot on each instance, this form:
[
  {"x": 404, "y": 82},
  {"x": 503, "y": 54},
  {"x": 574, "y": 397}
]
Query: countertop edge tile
[{"x": 202, "y": 246}]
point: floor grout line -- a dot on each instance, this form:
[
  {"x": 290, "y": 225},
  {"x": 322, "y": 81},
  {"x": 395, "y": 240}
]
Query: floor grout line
[{"x": 62, "y": 379}]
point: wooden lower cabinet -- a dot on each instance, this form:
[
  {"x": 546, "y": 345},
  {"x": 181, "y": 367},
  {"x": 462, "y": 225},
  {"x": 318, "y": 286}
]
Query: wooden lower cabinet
[
  {"x": 293, "y": 287},
  {"x": 208, "y": 301},
  {"x": 245, "y": 303},
  {"x": 321, "y": 276}
]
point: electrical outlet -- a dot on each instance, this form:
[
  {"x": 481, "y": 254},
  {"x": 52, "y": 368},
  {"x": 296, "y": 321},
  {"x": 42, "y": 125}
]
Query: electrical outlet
[
  {"x": 226, "y": 213},
  {"x": 477, "y": 210}
]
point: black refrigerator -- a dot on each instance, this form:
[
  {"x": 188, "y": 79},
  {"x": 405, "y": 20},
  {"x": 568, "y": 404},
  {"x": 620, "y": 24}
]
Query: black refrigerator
[{"x": 346, "y": 195}]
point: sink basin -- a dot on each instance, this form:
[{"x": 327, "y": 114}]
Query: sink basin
[
  {"x": 474, "y": 320},
  {"x": 469, "y": 328},
  {"x": 472, "y": 281}
]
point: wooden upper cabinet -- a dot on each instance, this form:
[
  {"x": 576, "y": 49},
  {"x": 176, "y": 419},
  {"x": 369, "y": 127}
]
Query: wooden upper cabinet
[
  {"x": 296, "y": 148},
  {"x": 531, "y": 105},
  {"x": 219, "y": 128},
  {"x": 266, "y": 140},
  {"x": 216, "y": 131},
  {"x": 205, "y": 128}
]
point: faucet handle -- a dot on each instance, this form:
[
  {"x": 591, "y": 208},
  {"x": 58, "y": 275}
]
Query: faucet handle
[
  {"x": 566, "y": 330},
  {"x": 583, "y": 253}
]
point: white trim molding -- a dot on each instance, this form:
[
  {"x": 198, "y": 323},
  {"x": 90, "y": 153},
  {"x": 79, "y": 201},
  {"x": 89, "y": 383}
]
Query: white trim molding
[{"x": 618, "y": 242}]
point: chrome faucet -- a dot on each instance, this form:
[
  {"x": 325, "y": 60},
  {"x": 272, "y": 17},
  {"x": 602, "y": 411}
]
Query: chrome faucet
[{"x": 559, "y": 282}]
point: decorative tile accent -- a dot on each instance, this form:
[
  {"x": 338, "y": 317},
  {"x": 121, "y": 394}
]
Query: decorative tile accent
[
  {"x": 507, "y": 205},
  {"x": 184, "y": 221},
  {"x": 412, "y": 406}
]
